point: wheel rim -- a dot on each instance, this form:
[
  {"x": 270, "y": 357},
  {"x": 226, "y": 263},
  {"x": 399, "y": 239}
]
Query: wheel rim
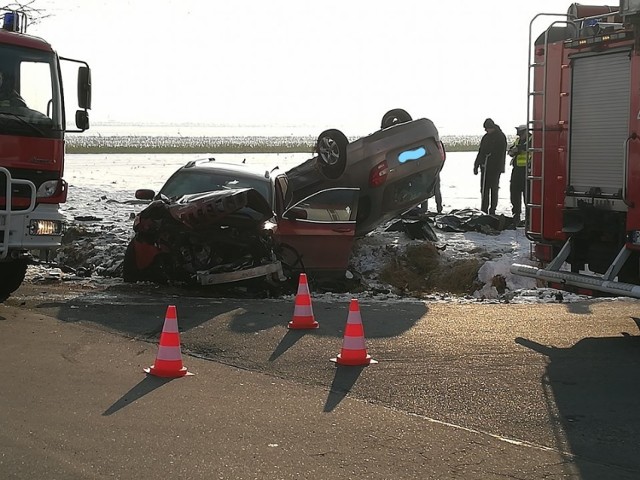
[
  {"x": 329, "y": 150},
  {"x": 389, "y": 121}
]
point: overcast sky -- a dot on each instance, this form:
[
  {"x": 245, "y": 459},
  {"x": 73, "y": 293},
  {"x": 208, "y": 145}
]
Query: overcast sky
[{"x": 335, "y": 63}]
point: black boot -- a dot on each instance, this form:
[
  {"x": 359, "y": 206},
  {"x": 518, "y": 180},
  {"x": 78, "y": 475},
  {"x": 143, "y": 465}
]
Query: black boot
[{"x": 517, "y": 222}]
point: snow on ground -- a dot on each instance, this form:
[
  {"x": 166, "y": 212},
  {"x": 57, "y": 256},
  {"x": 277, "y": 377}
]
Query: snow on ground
[
  {"x": 101, "y": 199},
  {"x": 500, "y": 251}
]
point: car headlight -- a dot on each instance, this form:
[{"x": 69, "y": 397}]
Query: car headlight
[{"x": 45, "y": 227}]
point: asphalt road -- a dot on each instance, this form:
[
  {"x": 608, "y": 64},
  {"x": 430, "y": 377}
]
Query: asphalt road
[{"x": 461, "y": 391}]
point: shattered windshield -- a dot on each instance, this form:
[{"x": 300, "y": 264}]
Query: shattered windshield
[
  {"x": 30, "y": 98},
  {"x": 185, "y": 182}
]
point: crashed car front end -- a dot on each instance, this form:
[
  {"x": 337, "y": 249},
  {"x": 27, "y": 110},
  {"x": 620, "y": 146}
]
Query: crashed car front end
[{"x": 204, "y": 239}]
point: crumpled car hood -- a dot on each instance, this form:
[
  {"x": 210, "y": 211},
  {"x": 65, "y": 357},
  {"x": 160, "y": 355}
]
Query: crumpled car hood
[{"x": 241, "y": 206}]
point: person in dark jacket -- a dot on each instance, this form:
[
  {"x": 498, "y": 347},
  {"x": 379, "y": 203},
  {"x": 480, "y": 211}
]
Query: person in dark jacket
[
  {"x": 518, "y": 154},
  {"x": 491, "y": 162}
]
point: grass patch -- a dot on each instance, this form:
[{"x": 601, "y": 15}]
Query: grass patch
[
  {"x": 88, "y": 149},
  {"x": 422, "y": 269}
]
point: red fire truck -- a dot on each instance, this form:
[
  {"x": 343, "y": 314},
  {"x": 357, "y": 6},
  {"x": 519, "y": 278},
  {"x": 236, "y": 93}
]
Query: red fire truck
[
  {"x": 32, "y": 131},
  {"x": 583, "y": 175}
]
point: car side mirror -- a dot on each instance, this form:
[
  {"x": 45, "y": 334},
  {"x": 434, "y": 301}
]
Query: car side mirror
[{"x": 145, "y": 194}]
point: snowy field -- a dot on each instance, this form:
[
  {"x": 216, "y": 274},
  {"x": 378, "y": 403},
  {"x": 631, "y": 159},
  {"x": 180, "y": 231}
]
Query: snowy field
[{"x": 101, "y": 197}]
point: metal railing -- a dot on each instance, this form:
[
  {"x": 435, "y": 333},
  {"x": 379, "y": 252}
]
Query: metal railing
[{"x": 7, "y": 211}]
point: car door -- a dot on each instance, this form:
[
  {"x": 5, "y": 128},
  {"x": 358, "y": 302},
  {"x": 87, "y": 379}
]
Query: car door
[{"x": 316, "y": 234}]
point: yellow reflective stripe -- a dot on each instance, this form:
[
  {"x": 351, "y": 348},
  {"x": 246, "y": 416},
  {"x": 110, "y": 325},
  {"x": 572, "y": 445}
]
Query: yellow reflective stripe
[{"x": 521, "y": 159}]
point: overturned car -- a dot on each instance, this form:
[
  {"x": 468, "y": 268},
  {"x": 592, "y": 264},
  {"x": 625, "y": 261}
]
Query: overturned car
[
  {"x": 395, "y": 167},
  {"x": 214, "y": 223}
]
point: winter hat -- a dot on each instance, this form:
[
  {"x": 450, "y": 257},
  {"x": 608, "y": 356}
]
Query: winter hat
[{"x": 488, "y": 123}]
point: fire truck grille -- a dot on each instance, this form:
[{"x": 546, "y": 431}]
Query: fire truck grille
[{"x": 38, "y": 177}]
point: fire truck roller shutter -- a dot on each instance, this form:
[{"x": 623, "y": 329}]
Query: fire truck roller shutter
[{"x": 599, "y": 122}]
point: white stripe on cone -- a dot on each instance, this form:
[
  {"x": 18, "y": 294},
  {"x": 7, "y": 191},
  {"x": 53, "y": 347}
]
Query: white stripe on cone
[
  {"x": 303, "y": 311},
  {"x": 353, "y": 343},
  {"x": 169, "y": 353}
]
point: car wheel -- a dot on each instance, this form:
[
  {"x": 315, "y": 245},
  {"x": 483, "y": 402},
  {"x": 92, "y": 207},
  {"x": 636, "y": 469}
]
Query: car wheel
[
  {"x": 130, "y": 272},
  {"x": 331, "y": 148},
  {"x": 394, "y": 117}
]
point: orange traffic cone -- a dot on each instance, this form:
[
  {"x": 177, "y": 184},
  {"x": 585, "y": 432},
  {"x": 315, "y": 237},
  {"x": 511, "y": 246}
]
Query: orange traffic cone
[
  {"x": 168, "y": 362},
  {"x": 303, "y": 311},
  {"x": 354, "y": 351}
]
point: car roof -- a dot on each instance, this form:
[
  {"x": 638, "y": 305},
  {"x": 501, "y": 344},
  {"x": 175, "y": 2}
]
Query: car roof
[{"x": 208, "y": 164}]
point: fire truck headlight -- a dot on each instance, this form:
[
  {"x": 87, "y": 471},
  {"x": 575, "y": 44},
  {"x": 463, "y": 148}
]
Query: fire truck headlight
[
  {"x": 47, "y": 189},
  {"x": 45, "y": 227}
]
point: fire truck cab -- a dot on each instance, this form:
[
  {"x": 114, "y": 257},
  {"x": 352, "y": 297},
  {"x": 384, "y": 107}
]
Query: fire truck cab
[{"x": 33, "y": 122}]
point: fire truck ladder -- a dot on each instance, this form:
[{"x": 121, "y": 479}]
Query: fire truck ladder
[
  {"x": 5, "y": 214},
  {"x": 536, "y": 153}
]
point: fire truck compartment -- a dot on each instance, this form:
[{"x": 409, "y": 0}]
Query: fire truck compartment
[{"x": 599, "y": 125}]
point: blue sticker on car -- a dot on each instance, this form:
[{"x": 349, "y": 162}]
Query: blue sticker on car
[{"x": 409, "y": 155}]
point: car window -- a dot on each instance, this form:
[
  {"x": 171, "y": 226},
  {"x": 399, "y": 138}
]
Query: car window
[
  {"x": 332, "y": 205},
  {"x": 185, "y": 182}
]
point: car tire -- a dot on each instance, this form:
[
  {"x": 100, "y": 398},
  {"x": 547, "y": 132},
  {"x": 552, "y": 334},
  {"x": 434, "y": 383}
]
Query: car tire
[
  {"x": 394, "y": 117},
  {"x": 331, "y": 148},
  {"x": 130, "y": 272}
]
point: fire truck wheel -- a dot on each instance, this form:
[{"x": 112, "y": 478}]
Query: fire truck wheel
[
  {"x": 393, "y": 117},
  {"x": 331, "y": 148},
  {"x": 11, "y": 276}
]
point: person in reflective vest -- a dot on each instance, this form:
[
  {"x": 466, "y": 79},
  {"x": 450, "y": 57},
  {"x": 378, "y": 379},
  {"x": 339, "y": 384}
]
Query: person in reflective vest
[{"x": 518, "y": 154}]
